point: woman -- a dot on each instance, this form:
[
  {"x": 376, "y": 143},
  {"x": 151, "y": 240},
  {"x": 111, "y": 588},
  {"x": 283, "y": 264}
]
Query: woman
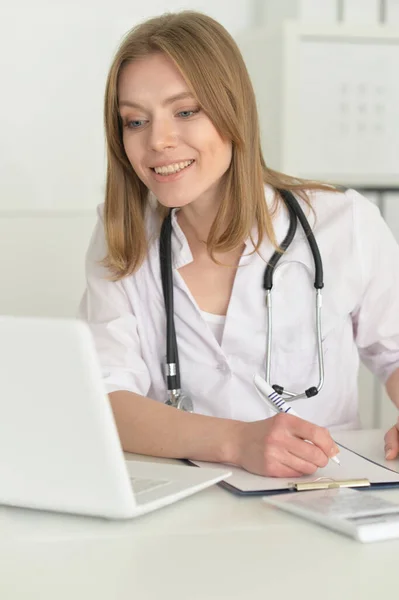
[{"x": 182, "y": 132}]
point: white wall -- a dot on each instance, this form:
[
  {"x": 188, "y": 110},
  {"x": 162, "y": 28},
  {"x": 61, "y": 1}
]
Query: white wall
[
  {"x": 54, "y": 56},
  {"x": 41, "y": 261},
  {"x": 288, "y": 123}
]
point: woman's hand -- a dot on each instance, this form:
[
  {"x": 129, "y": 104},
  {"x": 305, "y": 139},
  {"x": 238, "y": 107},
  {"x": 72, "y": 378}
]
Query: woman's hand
[
  {"x": 276, "y": 447},
  {"x": 391, "y": 439}
]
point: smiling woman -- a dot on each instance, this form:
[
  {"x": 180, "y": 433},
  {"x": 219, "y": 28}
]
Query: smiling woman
[
  {"x": 168, "y": 138},
  {"x": 178, "y": 90},
  {"x": 192, "y": 215}
]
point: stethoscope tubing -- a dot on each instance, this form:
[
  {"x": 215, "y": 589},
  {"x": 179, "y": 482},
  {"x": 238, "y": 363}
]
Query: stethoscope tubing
[
  {"x": 172, "y": 356},
  {"x": 175, "y": 396},
  {"x": 295, "y": 214}
]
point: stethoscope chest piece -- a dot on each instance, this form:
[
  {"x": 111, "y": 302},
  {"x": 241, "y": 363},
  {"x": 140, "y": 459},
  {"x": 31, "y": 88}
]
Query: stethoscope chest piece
[{"x": 178, "y": 399}]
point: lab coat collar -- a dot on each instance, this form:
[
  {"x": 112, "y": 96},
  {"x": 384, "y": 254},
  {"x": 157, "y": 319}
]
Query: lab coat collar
[
  {"x": 300, "y": 251},
  {"x": 180, "y": 248}
]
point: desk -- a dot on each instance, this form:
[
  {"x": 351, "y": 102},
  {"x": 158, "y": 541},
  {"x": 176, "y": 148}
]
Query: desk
[{"x": 212, "y": 545}]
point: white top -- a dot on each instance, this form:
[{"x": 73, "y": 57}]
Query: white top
[
  {"x": 360, "y": 313},
  {"x": 215, "y": 324}
]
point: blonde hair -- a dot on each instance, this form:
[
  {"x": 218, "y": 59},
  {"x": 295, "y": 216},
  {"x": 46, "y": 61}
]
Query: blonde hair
[{"x": 214, "y": 70}]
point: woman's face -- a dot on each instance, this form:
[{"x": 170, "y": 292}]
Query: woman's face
[{"x": 171, "y": 143}]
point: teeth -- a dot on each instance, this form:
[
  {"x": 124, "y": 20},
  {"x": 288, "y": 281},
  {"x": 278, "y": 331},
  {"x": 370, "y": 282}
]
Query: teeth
[{"x": 175, "y": 168}]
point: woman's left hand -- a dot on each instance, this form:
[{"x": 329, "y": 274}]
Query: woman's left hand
[{"x": 391, "y": 439}]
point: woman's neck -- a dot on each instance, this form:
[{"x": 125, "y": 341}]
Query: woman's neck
[{"x": 196, "y": 221}]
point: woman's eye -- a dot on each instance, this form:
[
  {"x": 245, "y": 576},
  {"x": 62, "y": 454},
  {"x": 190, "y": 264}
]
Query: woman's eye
[
  {"x": 188, "y": 113},
  {"x": 134, "y": 124}
]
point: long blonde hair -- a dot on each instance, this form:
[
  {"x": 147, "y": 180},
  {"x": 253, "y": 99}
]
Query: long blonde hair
[{"x": 214, "y": 70}]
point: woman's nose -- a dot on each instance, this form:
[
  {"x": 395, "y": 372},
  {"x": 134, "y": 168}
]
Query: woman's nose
[{"x": 163, "y": 135}]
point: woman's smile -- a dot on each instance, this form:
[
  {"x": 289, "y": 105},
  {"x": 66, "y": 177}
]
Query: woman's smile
[{"x": 172, "y": 172}]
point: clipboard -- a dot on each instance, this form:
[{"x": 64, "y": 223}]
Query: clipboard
[{"x": 355, "y": 471}]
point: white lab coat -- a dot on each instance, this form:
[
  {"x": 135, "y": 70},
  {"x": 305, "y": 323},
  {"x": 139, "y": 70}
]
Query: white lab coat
[{"x": 360, "y": 316}]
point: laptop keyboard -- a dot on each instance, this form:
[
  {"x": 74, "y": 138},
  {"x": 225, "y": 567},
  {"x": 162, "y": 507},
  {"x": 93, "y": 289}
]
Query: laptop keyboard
[{"x": 140, "y": 484}]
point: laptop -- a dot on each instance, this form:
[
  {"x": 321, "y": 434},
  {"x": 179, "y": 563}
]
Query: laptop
[{"x": 59, "y": 446}]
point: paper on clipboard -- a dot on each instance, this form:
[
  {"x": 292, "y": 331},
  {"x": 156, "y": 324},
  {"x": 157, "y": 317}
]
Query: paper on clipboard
[{"x": 352, "y": 466}]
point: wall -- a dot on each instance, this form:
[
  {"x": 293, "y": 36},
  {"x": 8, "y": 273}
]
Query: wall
[
  {"x": 54, "y": 56},
  {"x": 376, "y": 409}
]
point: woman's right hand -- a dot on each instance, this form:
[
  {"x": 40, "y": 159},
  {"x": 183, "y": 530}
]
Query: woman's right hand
[{"x": 279, "y": 446}]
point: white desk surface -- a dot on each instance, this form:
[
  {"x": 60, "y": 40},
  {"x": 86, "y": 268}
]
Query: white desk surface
[{"x": 212, "y": 545}]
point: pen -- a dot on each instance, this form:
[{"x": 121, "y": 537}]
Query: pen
[{"x": 278, "y": 403}]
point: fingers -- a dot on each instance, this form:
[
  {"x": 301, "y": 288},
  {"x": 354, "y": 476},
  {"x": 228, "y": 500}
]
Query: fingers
[
  {"x": 283, "y": 449},
  {"x": 283, "y": 446},
  {"x": 391, "y": 439},
  {"x": 279, "y": 462},
  {"x": 282, "y": 470},
  {"x": 309, "y": 453},
  {"x": 319, "y": 436}
]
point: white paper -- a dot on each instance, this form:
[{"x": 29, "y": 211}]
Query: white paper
[{"x": 352, "y": 467}]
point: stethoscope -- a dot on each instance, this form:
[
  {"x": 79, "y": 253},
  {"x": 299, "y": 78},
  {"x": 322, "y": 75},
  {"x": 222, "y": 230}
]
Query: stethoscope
[{"x": 176, "y": 397}]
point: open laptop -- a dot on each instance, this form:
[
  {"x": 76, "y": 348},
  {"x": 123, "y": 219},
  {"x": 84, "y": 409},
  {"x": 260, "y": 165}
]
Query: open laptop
[{"x": 59, "y": 446}]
